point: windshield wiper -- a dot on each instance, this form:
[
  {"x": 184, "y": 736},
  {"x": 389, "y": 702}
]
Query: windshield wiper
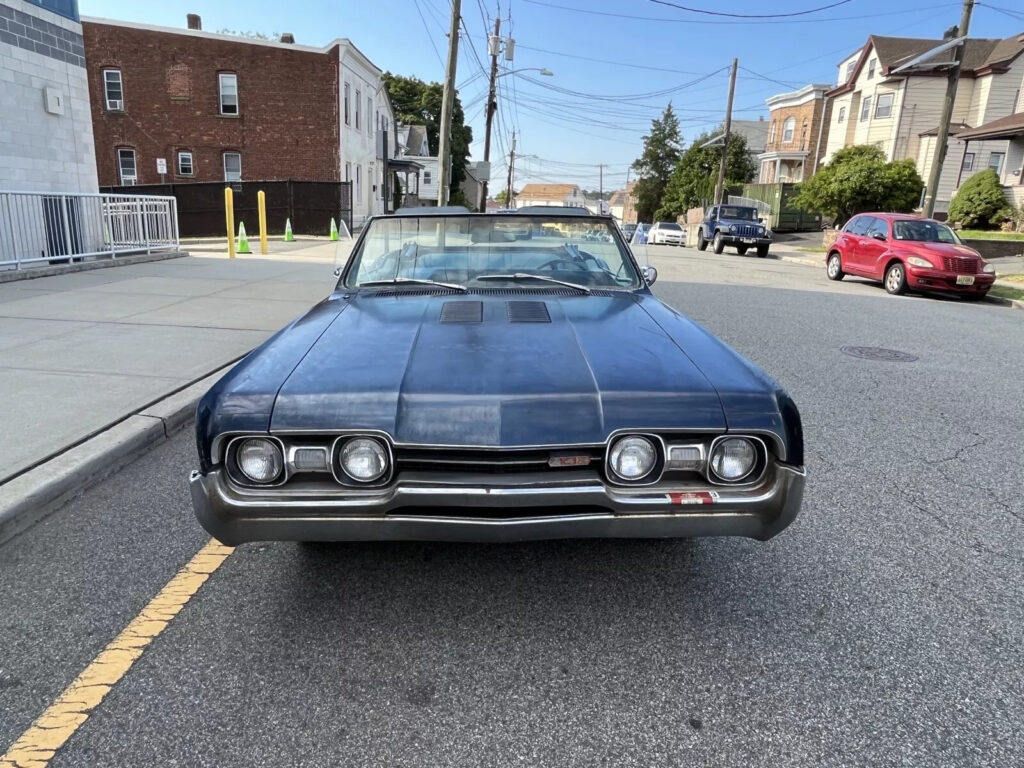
[
  {"x": 413, "y": 280},
  {"x": 528, "y": 276}
]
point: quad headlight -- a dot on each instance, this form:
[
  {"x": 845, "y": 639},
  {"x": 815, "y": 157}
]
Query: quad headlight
[
  {"x": 259, "y": 459},
  {"x": 733, "y": 459},
  {"x": 364, "y": 459},
  {"x": 632, "y": 458}
]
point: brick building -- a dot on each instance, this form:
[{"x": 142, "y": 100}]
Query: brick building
[
  {"x": 220, "y": 108},
  {"x": 796, "y": 142}
]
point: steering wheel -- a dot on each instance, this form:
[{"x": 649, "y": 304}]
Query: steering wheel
[{"x": 574, "y": 266}]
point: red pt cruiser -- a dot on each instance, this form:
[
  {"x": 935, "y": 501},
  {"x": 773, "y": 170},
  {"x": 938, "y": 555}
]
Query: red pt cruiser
[{"x": 908, "y": 252}]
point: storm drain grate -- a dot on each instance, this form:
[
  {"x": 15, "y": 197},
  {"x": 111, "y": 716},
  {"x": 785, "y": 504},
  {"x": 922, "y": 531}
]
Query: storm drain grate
[{"x": 879, "y": 353}]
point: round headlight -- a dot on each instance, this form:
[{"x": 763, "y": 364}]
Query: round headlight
[
  {"x": 260, "y": 459},
  {"x": 632, "y": 458},
  {"x": 364, "y": 459},
  {"x": 733, "y": 459}
]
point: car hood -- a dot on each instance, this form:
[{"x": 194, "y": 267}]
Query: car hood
[
  {"x": 536, "y": 368},
  {"x": 938, "y": 249}
]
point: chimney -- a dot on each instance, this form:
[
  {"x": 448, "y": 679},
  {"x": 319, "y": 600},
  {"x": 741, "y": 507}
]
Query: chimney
[
  {"x": 287, "y": 37},
  {"x": 194, "y": 21}
]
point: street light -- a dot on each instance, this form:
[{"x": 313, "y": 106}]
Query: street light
[{"x": 542, "y": 70}]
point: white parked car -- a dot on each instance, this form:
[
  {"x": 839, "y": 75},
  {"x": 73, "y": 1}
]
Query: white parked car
[{"x": 666, "y": 233}]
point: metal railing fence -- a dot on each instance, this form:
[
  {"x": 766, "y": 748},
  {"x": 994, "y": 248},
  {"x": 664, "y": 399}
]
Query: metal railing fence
[
  {"x": 46, "y": 227},
  {"x": 763, "y": 208}
]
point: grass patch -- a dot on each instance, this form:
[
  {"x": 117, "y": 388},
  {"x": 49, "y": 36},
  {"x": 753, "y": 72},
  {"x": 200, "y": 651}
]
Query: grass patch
[
  {"x": 1013, "y": 278},
  {"x": 814, "y": 249},
  {"x": 1005, "y": 292},
  {"x": 985, "y": 234}
]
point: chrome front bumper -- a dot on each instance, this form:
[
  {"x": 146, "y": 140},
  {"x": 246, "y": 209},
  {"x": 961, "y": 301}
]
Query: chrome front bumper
[{"x": 236, "y": 515}]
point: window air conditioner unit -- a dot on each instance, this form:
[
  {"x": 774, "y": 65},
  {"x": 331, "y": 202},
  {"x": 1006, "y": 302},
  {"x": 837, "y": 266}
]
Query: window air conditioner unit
[{"x": 115, "y": 104}]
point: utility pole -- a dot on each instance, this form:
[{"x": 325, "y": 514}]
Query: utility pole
[
  {"x": 444, "y": 176},
  {"x": 492, "y": 107},
  {"x": 942, "y": 139},
  {"x": 725, "y": 142},
  {"x": 511, "y": 173}
]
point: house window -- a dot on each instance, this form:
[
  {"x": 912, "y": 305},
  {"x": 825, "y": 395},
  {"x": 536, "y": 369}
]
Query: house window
[
  {"x": 426, "y": 177},
  {"x": 865, "y": 109},
  {"x": 348, "y": 90},
  {"x": 842, "y": 114},
  {"x": 113, "y": 90},
  {"x": 787, "y": 129},
  {"x": 228, "y": 94},
  {"x": 359, "y": 182},
  {"x": 185, "y": 167},
  {"x": 995, "y": 161},
  {"x": 359, "y": 95},
  {"x": 771, "y": 132},
  {"x": 232, "y": 166},
  {"x": 871, "y": 69},
  {"x": 369, "y": 111},
  {"x": 849, "y": 70},
  {"x": 348, "y": 171},
  {"x": 968, "y": 164},
  {"x": 126, "y": 167},
  {"x": 883, "y": 107}
]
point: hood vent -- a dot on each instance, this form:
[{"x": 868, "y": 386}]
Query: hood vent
[
  {"x": 462, "y": 312},
  {"x": 527, "y": 312}
]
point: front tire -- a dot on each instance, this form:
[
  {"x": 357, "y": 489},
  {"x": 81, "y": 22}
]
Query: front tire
[
  {"x": 718, "y": 244},
  {"x": 702, "y": 244},
  {"x": 741, "y": 250},
  {"x": 834, "y": 267},
  {"x": 896, "y": 279},
  {"x": 762, "y": 251}
]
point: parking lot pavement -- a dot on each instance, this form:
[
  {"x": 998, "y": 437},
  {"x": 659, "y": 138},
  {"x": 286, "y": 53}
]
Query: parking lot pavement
[
  {"x": 883, "y": 628},
  {"x": 81, "y": 351}
]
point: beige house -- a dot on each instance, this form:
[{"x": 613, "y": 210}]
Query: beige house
[
  {"x": 1011, "y": 130},
  {"x": 550, "y": 194},
  {"x": 875, "y": 104}
]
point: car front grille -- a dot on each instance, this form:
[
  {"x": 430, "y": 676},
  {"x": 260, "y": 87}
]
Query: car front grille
[
  {"x": 746, "y": 230},
  {"x": 490, "y": 462},
  {"x": 961, "y": 265}
]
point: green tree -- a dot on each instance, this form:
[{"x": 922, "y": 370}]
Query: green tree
[
  {"x": 858, "y": 179},
  {"x": 696, "y": 174},
  {"x": 655, "y": 165},
  {"x": 418, "y": 103},
  {"x": 502, "y": 197},
  {"x": 979, "y": 202}
]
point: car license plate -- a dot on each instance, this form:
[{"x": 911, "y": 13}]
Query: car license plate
[
  {"x": 965, "y": 279},
  {"x": 749, "y": 239}
]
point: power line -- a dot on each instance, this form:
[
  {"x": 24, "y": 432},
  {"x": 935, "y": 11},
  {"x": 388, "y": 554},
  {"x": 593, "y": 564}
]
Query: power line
[
  {"x": 750, "y": 15},
  {"x": 607, "y": 61},
  {"x": 1005, "y": 11},
  {"x": 430, "y": 37},
  {"x": 769, "y": 79}
]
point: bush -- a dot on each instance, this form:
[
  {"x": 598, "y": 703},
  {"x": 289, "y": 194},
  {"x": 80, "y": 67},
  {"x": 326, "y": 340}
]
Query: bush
[{"x": 979, "y": 203}]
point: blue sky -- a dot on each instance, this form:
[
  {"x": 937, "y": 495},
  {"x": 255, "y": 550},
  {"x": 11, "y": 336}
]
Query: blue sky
[{"x": 671, "y": 53}]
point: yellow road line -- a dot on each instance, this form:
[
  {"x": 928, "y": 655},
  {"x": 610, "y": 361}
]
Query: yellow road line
[{"x": 37, "y": 746}]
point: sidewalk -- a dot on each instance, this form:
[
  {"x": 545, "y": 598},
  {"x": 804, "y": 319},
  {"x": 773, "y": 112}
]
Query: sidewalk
[{"x": 79, "y": 352}]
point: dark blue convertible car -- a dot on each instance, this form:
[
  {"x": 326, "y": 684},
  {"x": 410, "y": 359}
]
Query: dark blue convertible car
[{"x": 464, "y": 383}]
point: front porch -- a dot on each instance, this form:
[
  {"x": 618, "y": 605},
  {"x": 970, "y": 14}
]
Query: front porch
[{"x": 779, "y": 166}]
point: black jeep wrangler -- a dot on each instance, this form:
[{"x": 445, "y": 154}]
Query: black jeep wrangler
[{"x": 735, "y": 225}]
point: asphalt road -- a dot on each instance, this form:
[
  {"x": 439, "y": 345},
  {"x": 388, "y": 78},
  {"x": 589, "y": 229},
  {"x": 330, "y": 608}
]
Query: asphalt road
[{"x": 885, "y": 628}]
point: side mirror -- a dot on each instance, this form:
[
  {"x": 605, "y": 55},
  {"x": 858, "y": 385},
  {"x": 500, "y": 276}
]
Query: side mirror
[
  {"x": 650, "y": 274},
  {"x": 878, "y": 236}
]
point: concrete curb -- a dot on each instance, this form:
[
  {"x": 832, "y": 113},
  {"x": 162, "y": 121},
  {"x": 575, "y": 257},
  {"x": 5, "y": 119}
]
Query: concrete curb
[
  {"x": 50, "y": 270},
  {"x": 29, "y": 498}
]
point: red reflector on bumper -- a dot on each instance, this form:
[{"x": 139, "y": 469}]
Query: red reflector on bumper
[
  {"x": 694, "y": 497},
  {"x": 568, "y": 461}
]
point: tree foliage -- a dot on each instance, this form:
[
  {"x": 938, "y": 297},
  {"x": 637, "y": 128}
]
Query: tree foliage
[
  {"x": 858, "y": 179},
  {"x": 502, "y": 197},
  {"x": 655, "y": 165},
  {"x": 979, "y": 202},
  {"x": 696, "y": 174},
  {"x": 418, "y": 103}
]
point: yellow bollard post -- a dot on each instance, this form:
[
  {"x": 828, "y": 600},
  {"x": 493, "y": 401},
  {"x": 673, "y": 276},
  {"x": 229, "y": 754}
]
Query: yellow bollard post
[
  {"x": 229, "y": 213},
  {"x": 261, "y": 200}
]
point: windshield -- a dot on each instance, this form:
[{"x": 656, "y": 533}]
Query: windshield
[
  {"x": 734, "y": 212},
  {"x": 473, "y": 250},
  {"x": 667, "y": 225},
  {"x": 924, "y": 232}
]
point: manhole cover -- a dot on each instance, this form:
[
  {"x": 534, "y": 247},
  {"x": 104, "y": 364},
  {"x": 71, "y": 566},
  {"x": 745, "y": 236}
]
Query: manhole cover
[{"x": 879, "y": 353}]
